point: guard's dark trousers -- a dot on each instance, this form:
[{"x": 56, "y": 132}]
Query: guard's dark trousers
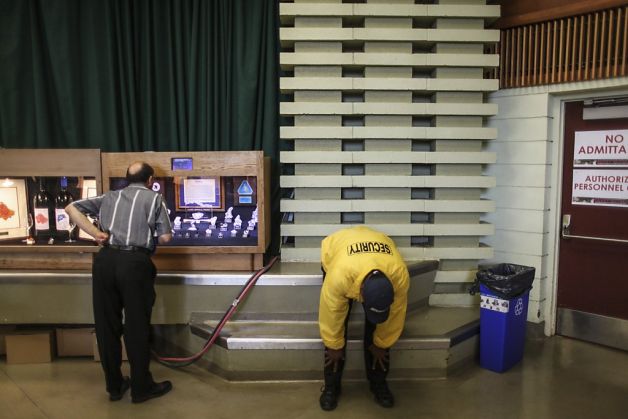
[
  {"x": 124, "y": 280},
  {"x": 375, "y": 375}
]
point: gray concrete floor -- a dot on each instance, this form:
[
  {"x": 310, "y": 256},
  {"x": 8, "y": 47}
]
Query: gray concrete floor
[{"x": 558, "y": 378}]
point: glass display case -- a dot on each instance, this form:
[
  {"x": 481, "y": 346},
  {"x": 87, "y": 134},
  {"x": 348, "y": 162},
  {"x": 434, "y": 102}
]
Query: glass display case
[
  {"x": 35, "y": 187},
  {"x": 216, "y": 202},
  {"x": 208, "y": 210}
]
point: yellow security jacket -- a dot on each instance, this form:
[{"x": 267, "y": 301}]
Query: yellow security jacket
[{"x": 347, "y": 257}]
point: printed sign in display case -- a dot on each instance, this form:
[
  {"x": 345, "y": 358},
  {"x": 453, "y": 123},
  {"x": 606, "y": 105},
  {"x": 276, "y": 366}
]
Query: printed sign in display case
[
  {"x": 217, "y": 204},
  {"x": 35, "y": 187}
]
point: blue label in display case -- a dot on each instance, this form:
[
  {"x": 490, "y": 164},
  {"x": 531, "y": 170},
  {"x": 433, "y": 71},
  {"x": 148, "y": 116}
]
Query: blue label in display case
[
  {"x": 244, "y": 193},
  {"x": 182, "y": 163},
  {"x": 245, "y": 188}
]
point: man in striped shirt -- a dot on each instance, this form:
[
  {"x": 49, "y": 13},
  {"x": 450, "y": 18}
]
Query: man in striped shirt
[{"x": 124, "y": 276}]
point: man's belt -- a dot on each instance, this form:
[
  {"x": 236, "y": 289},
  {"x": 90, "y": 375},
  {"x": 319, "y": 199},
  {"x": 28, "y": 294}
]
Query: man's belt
[{"x": 130, "y": 248}]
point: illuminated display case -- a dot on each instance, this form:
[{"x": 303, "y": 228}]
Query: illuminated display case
[
  {"x": 217, "y": 204},
  {"x": 35, "y": 186}
]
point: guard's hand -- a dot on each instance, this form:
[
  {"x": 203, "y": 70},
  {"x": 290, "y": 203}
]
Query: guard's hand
[
  {"x": 380, "y": 356},
  {"x": 101, "y": 237},
  {"x": 333, "y": 356}
]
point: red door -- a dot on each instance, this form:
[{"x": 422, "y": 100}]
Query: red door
[{"x": 593, "y": 257}]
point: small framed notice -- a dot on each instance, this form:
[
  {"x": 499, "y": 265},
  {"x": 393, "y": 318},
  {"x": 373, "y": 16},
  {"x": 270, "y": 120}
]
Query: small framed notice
[
  {"x": 13, "y": 209},
  {"x": 199, "y": 193}
]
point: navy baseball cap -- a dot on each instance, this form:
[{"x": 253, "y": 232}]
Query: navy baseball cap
[{"x": 378, "y": 295}]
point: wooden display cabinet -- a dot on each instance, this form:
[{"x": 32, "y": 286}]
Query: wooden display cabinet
[
  {"x": 236, "y": 179},
  {"x": 22, "y": 167}
]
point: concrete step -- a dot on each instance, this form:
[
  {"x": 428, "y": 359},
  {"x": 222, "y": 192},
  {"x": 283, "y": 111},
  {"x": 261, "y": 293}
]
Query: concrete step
[
  {"x": 435, "y": 343},
  {"x": 274, "y": 335},
  {"x": 289, "y": 291}
]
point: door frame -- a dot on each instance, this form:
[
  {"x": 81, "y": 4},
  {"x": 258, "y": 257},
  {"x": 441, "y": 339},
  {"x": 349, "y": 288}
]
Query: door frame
[{"x": 556, "y": 106}]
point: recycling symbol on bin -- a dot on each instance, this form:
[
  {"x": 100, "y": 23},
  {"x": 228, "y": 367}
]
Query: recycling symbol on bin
[{"x": 519, "y": 307}]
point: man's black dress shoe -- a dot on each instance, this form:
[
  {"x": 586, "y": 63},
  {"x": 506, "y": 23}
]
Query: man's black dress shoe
[
  {"x": 126, "y": 383},
  {"x": 158, "y": 390}
]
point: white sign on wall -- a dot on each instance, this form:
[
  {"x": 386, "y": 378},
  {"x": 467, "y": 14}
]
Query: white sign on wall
[
  {"x": 601, "y": 148},
  {"x": 600, "y": 187}
]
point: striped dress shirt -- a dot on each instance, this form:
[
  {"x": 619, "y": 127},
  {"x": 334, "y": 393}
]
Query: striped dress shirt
[{"x": 132, "y": 216}]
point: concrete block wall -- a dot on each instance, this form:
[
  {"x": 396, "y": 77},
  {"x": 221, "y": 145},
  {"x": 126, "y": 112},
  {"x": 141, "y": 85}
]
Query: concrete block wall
[
  {"x": 523, "y": 172},
  {"x": 386, "y": 108}
]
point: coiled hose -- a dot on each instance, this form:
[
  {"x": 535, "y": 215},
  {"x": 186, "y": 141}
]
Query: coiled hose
[{"x": 174, "y": 362}]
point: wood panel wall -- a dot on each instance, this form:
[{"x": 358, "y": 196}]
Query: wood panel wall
[
  {"x": 524, "y": 12},
  {"x": 578, "y": 48}
]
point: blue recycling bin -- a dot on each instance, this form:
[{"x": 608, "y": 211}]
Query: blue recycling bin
[
  {"x": 502, "y": 329},
  {"x": 504, "y": 293}
]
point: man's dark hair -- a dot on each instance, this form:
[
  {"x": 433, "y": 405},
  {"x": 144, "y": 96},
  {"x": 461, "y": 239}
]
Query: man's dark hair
[{"x": 140, "y": 176}]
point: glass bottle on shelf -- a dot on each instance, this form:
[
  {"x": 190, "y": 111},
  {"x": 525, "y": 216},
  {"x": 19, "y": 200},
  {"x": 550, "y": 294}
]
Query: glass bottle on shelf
[
  {"x": 43, "y": 212},
  {"x": 62, "y": 200}
]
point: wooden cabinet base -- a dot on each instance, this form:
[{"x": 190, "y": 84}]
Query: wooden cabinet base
[
  {"x": 46, "y": 260},
  {"x": 42, "y": 260},
  {"x": 209, "y": 261}
]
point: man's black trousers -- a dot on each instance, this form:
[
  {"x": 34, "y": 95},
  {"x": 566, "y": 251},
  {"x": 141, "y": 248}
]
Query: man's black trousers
[{"x": 124, "y": 280}]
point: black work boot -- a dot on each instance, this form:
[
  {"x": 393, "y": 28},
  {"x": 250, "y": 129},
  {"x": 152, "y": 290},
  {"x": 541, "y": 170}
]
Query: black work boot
[
  {"x": 331, "y": 390},
  {"x": 382, "y": 393},
  {"x": 329, "y": 396}
]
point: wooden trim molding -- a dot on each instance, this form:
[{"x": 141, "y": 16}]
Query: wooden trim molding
[
  {"x": 575, "y": 48},
  {"x": 570, "y": 9}
]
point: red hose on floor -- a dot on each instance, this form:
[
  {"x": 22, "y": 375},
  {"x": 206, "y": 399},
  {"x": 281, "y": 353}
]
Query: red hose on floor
[{"x": 184, "y": 361}]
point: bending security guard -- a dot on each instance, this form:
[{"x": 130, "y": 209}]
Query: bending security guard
[
  {"x": 124, "y": 277},
  {"x": 364, "y": 265}
]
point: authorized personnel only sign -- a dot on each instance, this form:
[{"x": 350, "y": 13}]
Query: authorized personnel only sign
[
  {"x": 600, "y": 187},
  {"x": 600, "y": 174},
  {"x": 601, "y": 148}
]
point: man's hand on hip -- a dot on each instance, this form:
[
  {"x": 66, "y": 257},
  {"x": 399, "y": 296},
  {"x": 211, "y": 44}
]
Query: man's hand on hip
[{"x": 101, "y": 237}]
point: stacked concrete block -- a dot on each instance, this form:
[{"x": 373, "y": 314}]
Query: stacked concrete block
[{"x": 386, "y": 103}]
